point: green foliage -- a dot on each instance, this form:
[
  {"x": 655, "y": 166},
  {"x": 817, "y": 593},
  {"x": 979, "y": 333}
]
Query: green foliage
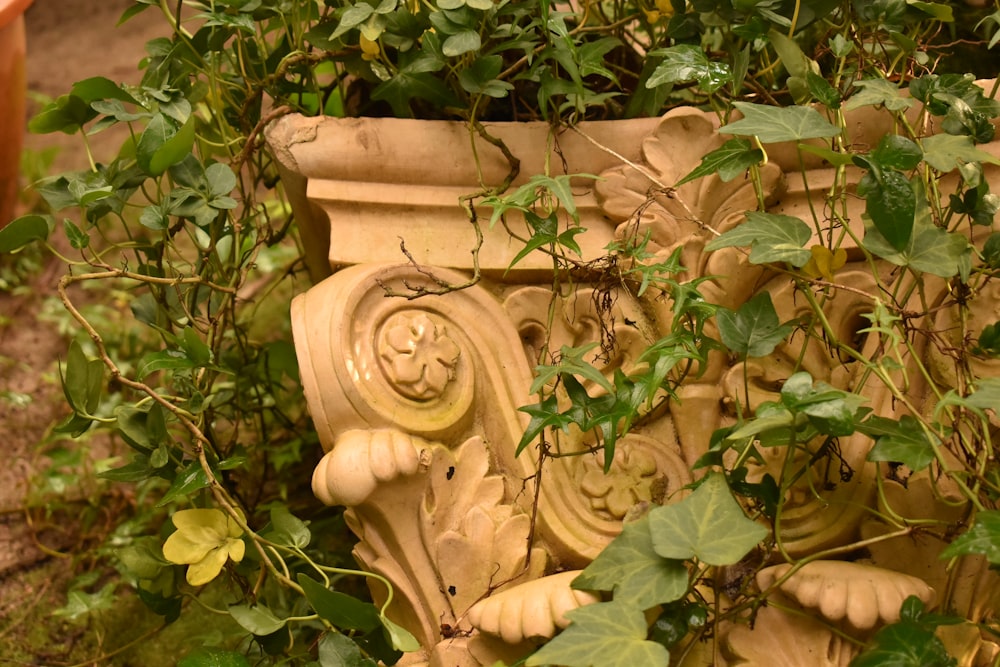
[
  {"x": 608, "y": 633},
  {"x": 184, "y": 222},
  {"x": 908, "y": 643}
]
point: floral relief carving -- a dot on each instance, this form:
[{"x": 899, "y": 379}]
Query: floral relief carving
[
  {"x": 417, "y": 355},
  {"x": 447, "y": 517}
]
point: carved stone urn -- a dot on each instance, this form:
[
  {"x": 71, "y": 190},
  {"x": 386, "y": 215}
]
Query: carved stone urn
[
  {"x": 416, "y": 399},
  {"x": 12, "y": 101}
]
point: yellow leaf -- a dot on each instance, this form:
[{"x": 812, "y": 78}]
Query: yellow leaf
[
  {"x": 204, "y": 540},
  {"x": 823, "y": 263}
]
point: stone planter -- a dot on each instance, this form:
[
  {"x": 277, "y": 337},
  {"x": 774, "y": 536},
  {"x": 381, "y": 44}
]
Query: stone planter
[
  {"x": 12, "y": 101},
  {"x": 416, "y": 401}
]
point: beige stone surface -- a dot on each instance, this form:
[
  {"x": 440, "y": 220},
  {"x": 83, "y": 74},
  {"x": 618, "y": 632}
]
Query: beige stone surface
[{"x": 416, "y": 400}]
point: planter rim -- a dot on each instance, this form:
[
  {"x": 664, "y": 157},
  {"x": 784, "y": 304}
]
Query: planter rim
[{"x": 11, "y": 9}]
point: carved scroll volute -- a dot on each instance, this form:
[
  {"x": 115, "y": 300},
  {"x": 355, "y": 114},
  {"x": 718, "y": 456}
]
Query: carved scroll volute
[{"x": 394, "y": 386}]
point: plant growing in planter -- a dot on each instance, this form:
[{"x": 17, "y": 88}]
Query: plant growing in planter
[{"x": 773, "y": 401}]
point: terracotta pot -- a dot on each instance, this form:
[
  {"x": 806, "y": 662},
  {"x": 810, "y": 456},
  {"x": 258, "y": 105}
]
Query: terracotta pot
[{"x": 12, "y": 101}]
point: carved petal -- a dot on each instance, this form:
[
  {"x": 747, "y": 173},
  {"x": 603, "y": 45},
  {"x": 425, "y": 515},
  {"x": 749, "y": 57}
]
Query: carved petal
[
  {"x": 360, "y": 460},
  {"x": 534, "y": 609},
  {"x": 862, "y": 594}
]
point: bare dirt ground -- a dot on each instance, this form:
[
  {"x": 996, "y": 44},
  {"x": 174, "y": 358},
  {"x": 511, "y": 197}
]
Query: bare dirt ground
[{"x": 68, "y": 40}]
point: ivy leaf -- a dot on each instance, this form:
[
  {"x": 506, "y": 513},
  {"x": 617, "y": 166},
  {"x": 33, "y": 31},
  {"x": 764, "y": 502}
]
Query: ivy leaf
[
  {"x": 945, "y": 152},
  {"x": 631, "y": 568},
  {"x": 908, "y": 643},
  {"x": 931, "y": 249},
  {"x": 687, "y": 62},
  {"x": 609, "y": 634},
  {"x": 571, "y": 362},
  {"x": 983, "y": 538},
  {"x": 775, "y": 124},
  {"x": 772, "y": 238},
  {"x": 903, "y": 441},
  {"x": 730, "y": 160},
  {"x": 708, "y": 525},
  {"x": 754, "y": 329},
  {"x": 543, "y": 415},
  {"x": 874, "y": 92}
]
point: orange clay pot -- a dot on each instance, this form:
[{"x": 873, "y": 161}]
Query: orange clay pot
[{"x": 12, "y": 101}]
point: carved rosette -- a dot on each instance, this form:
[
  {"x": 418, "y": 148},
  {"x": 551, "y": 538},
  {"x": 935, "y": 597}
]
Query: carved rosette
[{"x": 416, "y": 404}]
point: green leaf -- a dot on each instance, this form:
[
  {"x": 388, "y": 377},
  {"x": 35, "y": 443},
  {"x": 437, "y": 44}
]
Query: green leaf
[
  {"x": 931, "y": 249},
  {"x": 608, "y": 634},
  {"x": 100, "y": 88},
  {"x": 896, "y": 152},
  {"x": 772, "y": 238},
  {"x": 213, "y": 657},
  {"x": 874, "y": 92},
  {"x": 461, "y": 42},
  {"x": 221, "y": 179},
  {"x": 189, "y": 480},
  {"x": 343, "y": 611},
  {"x": 67, "y": 114},
  {"x": 983, "y": 539},
  {"x": 729, "y": 161},
  {"x": 909, "y": 643},
  {"x": 945, "y": 152},
  {"x": 988, "y": 343},
  {"x": 687, "y": 62},
  {"x": 754, "y": 329},
  {"x": 24, "y": 230},
  {"x": 891, "y": 205},
  {"x": 631, "y": 568},
  {"x": 904, "y": 441},
  {"x": 137, "y": 470},
  {"x": 543, "y": 415},
  {"x": 336, "y": 650},
  {"x": 776, "y": 124},
  {"x": 258, "y": 619},
  {"x": 78, "y": 238},
  {"x": 288, "y": 529},
  {"x": 169, "y": 360},
  {"x": 83, "y": 380},
  {"x": 708, "y": 525},
  {"x": 830, "y": 410},
  {"x": 399, "y": 636},
  {"x": 939, "y": 11}
]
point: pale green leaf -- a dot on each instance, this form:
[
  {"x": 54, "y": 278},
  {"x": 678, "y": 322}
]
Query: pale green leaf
[
  {"x": 631, "y": 568},
  {"x": 771, "y": 238},
  {"x": 608, "y": 634},
  {"x": 874, "y": 92},
  {"x": 708, "y": 525},
  {"x": 775, "y": 124},
  {"x": 258, "y": 620},
  {"x": 400, "y": 637},
  {"x": 930, "y": 250},
  {"x": 945, "y": 152},
  {"x": 987, "y": 395}
]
